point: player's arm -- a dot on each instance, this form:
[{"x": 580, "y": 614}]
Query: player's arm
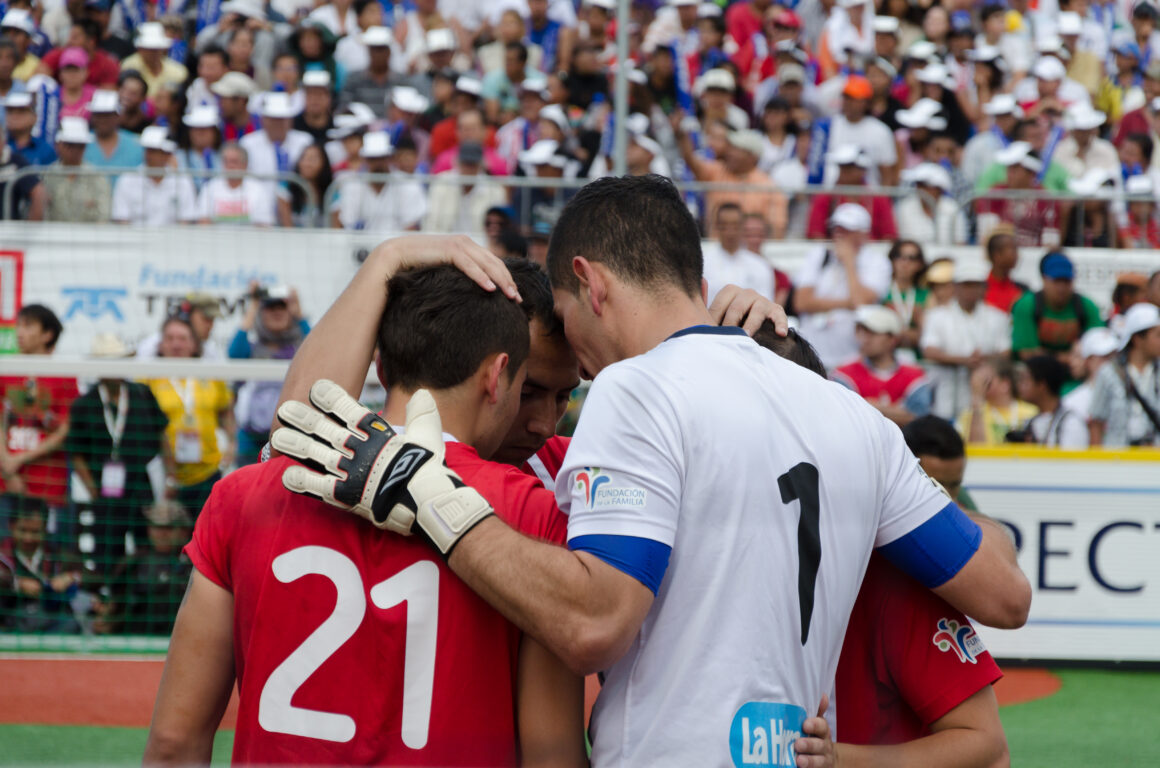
[
  {"x": 198, "y": 677},
  {"x": 342, "y": 344},
  {"x": 549, "y": 709},
  {"x": 991, "y": 587},
  {"x": 969, "y": 736},
  {"x": 582, "y": 608}
]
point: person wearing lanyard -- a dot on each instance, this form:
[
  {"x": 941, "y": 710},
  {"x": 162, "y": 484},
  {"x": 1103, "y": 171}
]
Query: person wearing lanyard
[
  {"x": 116, "y": 429},
  {"x": 907, "y": 297},
  {"x": 994, "y": 411},
  {"x": 196, "y": 410}
]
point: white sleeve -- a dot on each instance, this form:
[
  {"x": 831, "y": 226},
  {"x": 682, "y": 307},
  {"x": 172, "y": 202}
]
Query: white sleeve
[
  {"x": 932, "y": 335},
  {"x": 1002, "y": 332},
  {"x": 911, "y": 497},
  {"x": 204, "y": 203},
  {"x": 261, "y": 204},
  {"x": 122, "y": 210},
  {"x": 1073, "y": 432},
  {"x": 349, "y": 202},
  {"x": 811, "y": 268},
  {"x": 186, "y": 200},
  {"x": 875, "y": 272},
  {"x": 887, "y": 148},
  {"x": 624, "y": 470}
]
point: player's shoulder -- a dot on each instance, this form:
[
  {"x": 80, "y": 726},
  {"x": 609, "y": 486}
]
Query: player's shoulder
[{"x": 518, "y": 498}]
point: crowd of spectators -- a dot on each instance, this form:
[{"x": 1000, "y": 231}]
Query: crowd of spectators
[
  {"x": 943, "y": 119},
  {"x": 99, "y": 489}
]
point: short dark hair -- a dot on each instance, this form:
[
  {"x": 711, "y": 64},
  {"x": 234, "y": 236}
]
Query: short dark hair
[
  {"x": 728, "y": 207},
  {"x": 89, "y": 28},
  {"x": 26, "y": 507},
  {"x": 513, "y": 243},
  {"x": 990, "y": 9},
  {"x": 637, "y": 226},
  {"x": 932, "y": 436},
  {"x": 214, "y": 50},
  {"x": 439, "y": 327},
  {"x": 536, "y": 292},
  {"x": 183, "y": 315},
  {"x": 520, "y": 49},
  {"x": 1049, "y": 372},
  {"x": 793, "y": 347},
  {"x": 1143, "y": 141},
  {"x": 132, "y": 74},
  {"x": 44, "y": 317}
]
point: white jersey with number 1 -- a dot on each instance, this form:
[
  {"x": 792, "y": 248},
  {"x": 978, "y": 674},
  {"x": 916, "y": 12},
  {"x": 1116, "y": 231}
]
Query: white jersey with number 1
[{"x": 771, "y": 487}]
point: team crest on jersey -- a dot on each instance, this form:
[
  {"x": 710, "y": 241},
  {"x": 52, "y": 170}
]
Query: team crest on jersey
[
  {"x": 594, "y": 484},
  {"x": 959, "y": 638}
]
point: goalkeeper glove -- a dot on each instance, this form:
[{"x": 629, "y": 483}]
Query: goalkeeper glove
[{"x": 398, "y": 482}]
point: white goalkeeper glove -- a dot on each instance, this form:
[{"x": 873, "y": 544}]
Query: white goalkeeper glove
[{"x": 398, "y": 482}]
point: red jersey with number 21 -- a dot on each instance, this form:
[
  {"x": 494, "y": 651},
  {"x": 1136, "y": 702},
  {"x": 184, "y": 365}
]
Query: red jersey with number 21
[{"x": 355, "y": 646}]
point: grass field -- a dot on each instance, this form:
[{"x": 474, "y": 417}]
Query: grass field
[{"x": 1097, "y": 718}]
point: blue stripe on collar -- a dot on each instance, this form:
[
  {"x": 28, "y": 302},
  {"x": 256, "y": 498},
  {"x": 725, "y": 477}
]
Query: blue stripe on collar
[{"x": 720, "y": 330}]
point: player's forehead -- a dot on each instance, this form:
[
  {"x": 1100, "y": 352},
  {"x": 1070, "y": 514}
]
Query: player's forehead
[{"x": 551, "y": 362}]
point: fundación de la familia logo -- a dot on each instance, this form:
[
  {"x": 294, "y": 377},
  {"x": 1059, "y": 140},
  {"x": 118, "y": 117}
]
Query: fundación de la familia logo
[
  {"x": 600, "y": 491},
  {"x": 959, "y": 638}
]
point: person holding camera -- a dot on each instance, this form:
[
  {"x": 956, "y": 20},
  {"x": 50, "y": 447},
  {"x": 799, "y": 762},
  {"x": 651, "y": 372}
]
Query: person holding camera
[
  {"x": 1125, "y": 407},
  {"x": 272, "y": 329},
  {"x": 995, "y": 413}
]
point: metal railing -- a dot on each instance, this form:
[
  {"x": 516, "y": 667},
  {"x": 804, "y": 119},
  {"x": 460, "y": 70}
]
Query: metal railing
[{"x": 113, "y": 172}]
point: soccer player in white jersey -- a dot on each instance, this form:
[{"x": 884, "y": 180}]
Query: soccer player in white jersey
[{"x": 722, "y": 506}]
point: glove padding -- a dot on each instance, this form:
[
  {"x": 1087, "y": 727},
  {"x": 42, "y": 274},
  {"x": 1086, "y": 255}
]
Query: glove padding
[{"x": 392, "y": 480}]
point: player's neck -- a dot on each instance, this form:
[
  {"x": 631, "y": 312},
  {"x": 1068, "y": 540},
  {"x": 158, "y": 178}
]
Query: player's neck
[
  {"x": 651, "y": 318},
  {"x": 452, "y": 413}
]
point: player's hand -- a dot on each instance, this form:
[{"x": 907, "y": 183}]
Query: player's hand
[
  {"x": 397, "y": 482},
  {"x": 460, "y": 251},
  {"x": 815, "y": 749},
  {"x": 747, "y": 308}
]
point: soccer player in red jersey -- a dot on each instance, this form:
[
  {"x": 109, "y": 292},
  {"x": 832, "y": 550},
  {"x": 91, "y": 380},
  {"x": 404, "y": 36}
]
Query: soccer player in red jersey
[{"x": 354, "y": 647}]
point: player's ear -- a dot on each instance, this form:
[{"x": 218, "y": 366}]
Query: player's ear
[
  {"x": 379, "y": 370},
  {"x": 705, "y": 291},
  {"x": 495, "y": 372}
]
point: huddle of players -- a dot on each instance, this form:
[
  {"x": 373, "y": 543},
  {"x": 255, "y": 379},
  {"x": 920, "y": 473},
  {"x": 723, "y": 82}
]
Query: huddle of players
[{"x": 351, "y": 645}]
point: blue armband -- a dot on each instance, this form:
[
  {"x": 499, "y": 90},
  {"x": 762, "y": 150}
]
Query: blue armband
[
  {"x": 938, "y": 549},
  {"x": 643, "y": 559}
]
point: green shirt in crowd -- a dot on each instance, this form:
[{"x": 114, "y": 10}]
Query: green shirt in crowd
[{"x": 1056, "y": 329}]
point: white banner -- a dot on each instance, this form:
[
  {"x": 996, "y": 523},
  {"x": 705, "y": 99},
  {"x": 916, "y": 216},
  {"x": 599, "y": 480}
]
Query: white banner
[
  {"x": 125, "y": 280},
  {"x": 1088, "y": 528}
]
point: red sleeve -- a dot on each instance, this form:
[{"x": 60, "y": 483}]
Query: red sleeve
[
  {"x": 209, "y": 549},
  {"x": 52, "y": 60},
  {"x": 64, "y": 392},
  {"x": 819, "y": 212},
  {"x": 442, "y": 137},
  {"x": 932, "y": 652},
  {"x": 884, "y": 226}
]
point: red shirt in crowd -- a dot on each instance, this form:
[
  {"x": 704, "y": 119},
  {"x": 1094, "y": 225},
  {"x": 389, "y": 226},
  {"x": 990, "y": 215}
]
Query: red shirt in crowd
[
  {"x": 742, "y": 22},
  {"x": 892, "y": 390},
  {"x": 103, "y": 68},
  {"x": 882, "y": 225},
  {"x": 1136, "y": 236},
  {"x": 354, "y": 647},
  {"x": 1002, "y": 294},
  {"x": 1029, "y": 217},
  {"x": 34, "y": 408},
  {"x": 908, "y": 659},
  {"x": 443, "y": 137},
  {"x": 1135, "y": 121}
]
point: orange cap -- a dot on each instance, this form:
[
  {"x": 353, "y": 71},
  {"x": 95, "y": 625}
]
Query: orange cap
[{"x": 858, "y": 87}]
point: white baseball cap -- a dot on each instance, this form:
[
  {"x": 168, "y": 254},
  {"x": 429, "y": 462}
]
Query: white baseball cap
[
  {"x": 104, "y": 102},
  {"x": 934, "y": 74},
  {"x": 930, "y": 174},
  {"x": 1140, "y": 185},
  {"x": 878, "y": 319},
  {"x": 202, "y": 116},
  {"x": 1083, "y": 117},
  {"x": 923, "y": 50},
  {"x": 1098, "y": 342},
  {"x": 985, "y": 53},
  {"x": 1049, "y": 68},
  {"x": 887, "y": 25},
  {"x": 971, "y": 271},
  {"x": 409, "y": 100},
  {"x": 1139, "y": 317},
  {"x": 376, "y": 144},
  {"x": 18, "y": 100},
  {"x": 251, "y": 9},
  {"x": 470, "y": 85},
  {"x": 316, "y": 78},
  {"x": 157, "y": 137},
  {"x": 849, "y": 154},
  {"x": 1003, "y": 104},
  {"x": 554, "y": 113},
  {"x": 719, "y": 79},
  {"x": 924, "y": 114},
  {"x": 1018, "y": 153},
  {"x": 748, "y": 141},
  {"x": 377, "y": 37},
  {"x": 74, "y": 130},
  {"x": 277, "y": 104},
  {"x": 543, "y": 152},
  {"x": 1068, "y": 23},
  {"x": 608, "y": 5},
  {"x": 151, "y": 36},
  {"x": 19, "y": 18},
  {"x": 441, "y": 39},
  {"x": 234, "y": 85},
  {"x": 851, "y": 217}
]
